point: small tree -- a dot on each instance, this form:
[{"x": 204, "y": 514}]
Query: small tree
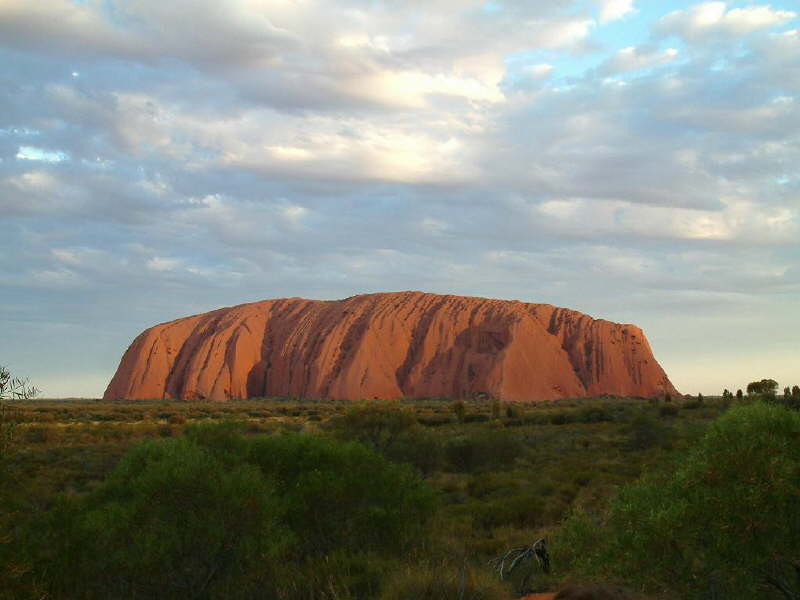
[
  {"x": 791, "y": 397},
  {"x": 765, "y": 387},
  {"x": 15, "y": 388},
  {"x": 495, "y": 409},
  {"x": 739, "y": 394},
  {"x": 11, "y": 388},
  {"x": 459, "y": 410}
]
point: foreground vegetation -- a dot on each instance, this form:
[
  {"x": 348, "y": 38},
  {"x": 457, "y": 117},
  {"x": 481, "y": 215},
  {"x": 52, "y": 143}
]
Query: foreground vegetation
[{"x": 290, "y": 499}]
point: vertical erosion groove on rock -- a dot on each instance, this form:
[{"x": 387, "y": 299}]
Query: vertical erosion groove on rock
[{"x": 380, "y": 346}]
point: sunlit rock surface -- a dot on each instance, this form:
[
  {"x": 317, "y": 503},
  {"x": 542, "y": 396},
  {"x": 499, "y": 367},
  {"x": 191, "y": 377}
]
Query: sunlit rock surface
[{"x": 380, "y": 346}]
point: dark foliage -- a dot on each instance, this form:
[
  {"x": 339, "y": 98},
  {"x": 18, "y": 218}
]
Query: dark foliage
[{"x": 216, "y": 515}]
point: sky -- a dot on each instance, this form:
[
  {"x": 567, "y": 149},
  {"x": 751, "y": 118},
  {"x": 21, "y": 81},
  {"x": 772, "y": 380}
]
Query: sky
[{"x": 637, "y": 160}]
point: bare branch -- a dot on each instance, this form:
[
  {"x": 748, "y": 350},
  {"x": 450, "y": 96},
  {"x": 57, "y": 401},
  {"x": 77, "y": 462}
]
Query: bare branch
[{"x": 537, "y": 551}]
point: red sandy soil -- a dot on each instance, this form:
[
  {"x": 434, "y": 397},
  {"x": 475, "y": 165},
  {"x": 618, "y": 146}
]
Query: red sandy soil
[
  {"x": 382, "y": 346},
  {"x": 582, "y": 593}
]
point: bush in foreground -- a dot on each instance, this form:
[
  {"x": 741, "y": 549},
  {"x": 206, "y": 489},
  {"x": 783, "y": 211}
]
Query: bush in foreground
[
  {"x": 722, "y": 523},
  {"x": 171, "y": 521},
  {"x": 216, "y": 515}
]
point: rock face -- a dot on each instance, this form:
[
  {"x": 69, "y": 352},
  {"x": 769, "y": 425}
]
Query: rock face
[{"x": 380, "y": 346}]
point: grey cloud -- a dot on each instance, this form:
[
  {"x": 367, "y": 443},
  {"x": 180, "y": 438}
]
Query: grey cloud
[
  {"x": 293, "y": 57},
  {"x": 202, "y": 176},
  {"x": 686, "y": 135}
]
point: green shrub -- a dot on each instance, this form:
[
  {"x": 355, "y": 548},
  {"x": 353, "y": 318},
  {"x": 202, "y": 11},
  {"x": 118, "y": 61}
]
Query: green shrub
[
  {"x": 483, "y": 448},
  {"x": 594, "y": 414},
  {"x": 495, "y": 409},
  {"x": 670, "y": 410},
  {"x": 721, "y": 522},
  {"x": 223, "y": 439},
  {"x": 536, "y": 418},
  {"x": 461, "y": 453},
  {"x": 377, "y": 424},
  {"x": 390, "y": 430},
  {"x": 419, "y": 448},
  {"x": 475, "y": 418},
  {"x": 342, "y": 495},
  {"x": 459, "y": 410},
  {"x": 170, "y": 522},
  {"x": 644, "y": 432},
  {"x": 216, "y": 515},
  {"x": 434, "y": 420},
  {"x": 561, "y": 418}
]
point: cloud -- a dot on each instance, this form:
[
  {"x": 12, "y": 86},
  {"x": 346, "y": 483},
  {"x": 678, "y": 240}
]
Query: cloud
[
  {"x": 633, "y": 58},
  {"x": 539, "y": 71},
  {"x": 158, "y": 263},
  {"x": 73, "y": 26},
  {"x": 611, "y": 10},
  {"x": 715, "y": 18},
  {"x": 325, "y": 149},
  {"x": 33, "y": 153},
  {"x": 303, "y": 55},
  {"x": 737, "y": 220}
]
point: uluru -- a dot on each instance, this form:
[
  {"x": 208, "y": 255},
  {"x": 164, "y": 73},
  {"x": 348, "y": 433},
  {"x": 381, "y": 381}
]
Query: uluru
[{"x": 389, "y": 345}]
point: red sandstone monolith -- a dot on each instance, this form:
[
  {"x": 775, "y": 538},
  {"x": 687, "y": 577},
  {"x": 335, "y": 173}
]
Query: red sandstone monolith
[{"x": 381, "y": 346}]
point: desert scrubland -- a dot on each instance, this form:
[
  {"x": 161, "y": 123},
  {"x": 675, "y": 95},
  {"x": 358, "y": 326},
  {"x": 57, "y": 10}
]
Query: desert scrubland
[{"x": 287, "y": 498}]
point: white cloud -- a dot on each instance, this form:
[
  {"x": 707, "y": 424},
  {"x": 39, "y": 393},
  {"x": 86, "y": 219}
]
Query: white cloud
[
  {"x": 40, "y": 154},
  {"x": 539, "y": 71},
  {"x": 35, "y": 181},
  {"x": 611, "y": 10},
  {"x": 294, "y": 213},
  {"x": 290, "y": 153},
  {"x": 413, "y": 88},
  {"x": 288, "y": 54},
  {"x": 737, "y": 220},
  {"x": 744, "y": 20},
  {"x": 715, "y": 18},
  {"x": 160, "y": 263},
  {"x": 567, "y": 33},
  {"x": 633, "y": 58}
]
